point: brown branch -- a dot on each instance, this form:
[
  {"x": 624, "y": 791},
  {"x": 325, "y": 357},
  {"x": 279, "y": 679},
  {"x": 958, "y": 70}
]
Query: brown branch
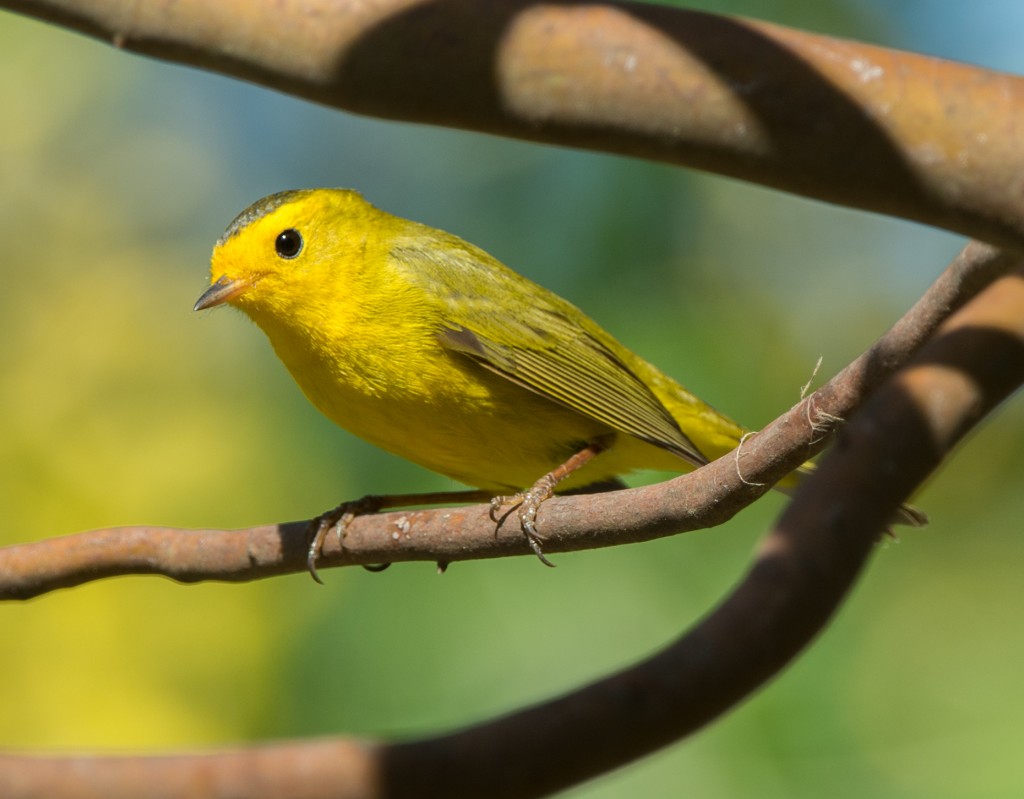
[
  {"x": 701, "y": 499},
  {"x": 884, "y": 130},
  {"x": 803, "y": 570}
]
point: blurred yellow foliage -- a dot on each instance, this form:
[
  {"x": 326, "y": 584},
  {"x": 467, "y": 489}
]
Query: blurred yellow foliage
[{"x": 106, "y": 419}]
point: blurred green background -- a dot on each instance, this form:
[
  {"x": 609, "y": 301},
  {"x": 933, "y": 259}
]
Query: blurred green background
[{"x": 121, "y": 406}]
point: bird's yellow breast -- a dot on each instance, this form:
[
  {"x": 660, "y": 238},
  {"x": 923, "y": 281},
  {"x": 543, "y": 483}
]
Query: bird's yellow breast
[{"x": 395, "y": 386}]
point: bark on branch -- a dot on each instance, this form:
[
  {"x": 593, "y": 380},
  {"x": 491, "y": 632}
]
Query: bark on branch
[{"x": 869, "y": 127}]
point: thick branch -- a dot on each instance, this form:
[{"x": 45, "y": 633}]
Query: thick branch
[
  {"x": 694, "y": 501},
  {"x": 889, "y": 131},
  {"x": 804, "y": 569}
]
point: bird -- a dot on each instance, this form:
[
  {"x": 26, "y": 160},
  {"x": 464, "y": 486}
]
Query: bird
[{"x": 430, "y": 348}]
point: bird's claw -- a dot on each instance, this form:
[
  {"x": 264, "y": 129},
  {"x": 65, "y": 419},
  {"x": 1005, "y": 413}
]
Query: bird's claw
[
  {"x": 527, "y": 503},
  {"x": 338, "y": 520}
]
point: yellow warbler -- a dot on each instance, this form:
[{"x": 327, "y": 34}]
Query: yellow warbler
[{"x": 428, "y": 347}]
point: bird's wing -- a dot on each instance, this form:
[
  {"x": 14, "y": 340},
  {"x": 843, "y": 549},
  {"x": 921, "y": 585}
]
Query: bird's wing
[{"x": 528, "y": 335}]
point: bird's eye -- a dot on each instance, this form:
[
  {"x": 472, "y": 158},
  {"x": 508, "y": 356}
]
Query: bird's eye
[{"x": 288, "y": 243}]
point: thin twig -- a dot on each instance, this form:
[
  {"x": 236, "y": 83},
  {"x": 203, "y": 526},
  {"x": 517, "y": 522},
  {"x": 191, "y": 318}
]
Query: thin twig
[{"x": 698, "y": 500}]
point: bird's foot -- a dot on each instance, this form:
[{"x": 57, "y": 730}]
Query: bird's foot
[
  {"x": 338, "y": 520},
  {"x": 527, "y": 503}
]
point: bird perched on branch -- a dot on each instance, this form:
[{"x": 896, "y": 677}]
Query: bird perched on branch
[{"x": 428, "y": 347}]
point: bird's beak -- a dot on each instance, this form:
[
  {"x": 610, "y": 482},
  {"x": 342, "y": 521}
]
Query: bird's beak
[{"x": 224, "y": 290}]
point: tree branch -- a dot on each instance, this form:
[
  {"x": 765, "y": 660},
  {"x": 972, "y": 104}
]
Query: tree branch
[
  {"x": 873, "y": 128},
  {"x": 804, "y": 568},
  {"x": 693, "y": 501}
]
